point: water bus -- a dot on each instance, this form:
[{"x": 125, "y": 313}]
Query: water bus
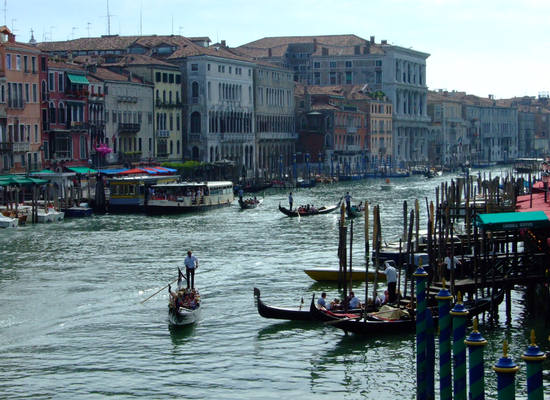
[
  {"x": 176, "y": 198},
  {"x": 129, "y": 193}
]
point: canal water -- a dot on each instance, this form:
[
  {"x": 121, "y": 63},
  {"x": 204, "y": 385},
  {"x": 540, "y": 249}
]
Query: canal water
[{"x": 73, "y": 326}]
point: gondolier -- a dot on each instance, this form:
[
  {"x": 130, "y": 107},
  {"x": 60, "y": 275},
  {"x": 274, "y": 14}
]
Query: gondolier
[
  {"x": 391, "y": 279},
  {"x": 347, "y": 197},
  {"x": 290, "y": 201},
  {"x": 191, "y": 264}
]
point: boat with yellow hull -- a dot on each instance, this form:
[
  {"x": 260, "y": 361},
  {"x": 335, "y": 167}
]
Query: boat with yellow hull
[{"x": 331, "y": 275}]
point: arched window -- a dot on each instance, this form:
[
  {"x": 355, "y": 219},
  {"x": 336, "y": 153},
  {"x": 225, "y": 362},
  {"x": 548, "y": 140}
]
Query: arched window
[
  {"x": 61, "y": 113},
  {"x": 44, "y": 91},
  {"x": 195, "y": 122},
  {"x": 195, "y": 90},
  {"x": 52, "y": 113}
]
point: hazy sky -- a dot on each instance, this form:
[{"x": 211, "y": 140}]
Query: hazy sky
[{"x": 499, "y": 47}]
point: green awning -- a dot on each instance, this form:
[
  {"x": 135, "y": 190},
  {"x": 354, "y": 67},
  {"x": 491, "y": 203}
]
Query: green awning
[
  {"x": 44, "y": 171},
  {"x": 78, "y": 79},
  {"x": 20, "y": 180},
  {"x": 83, "y": 170},
  {"x": 512, "y": 220}
]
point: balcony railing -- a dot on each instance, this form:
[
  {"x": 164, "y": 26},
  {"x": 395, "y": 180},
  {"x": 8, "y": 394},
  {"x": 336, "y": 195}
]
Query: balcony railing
[
  {"x": 21, "y": 147},
  {"x": 163, "y": 134},
  {"x": 77, "y": 93},
  {"x": 132, "y": 156},
  {"x": 166, "y": 104},
  {"x": 128, "y": 128},
  {"x": 76, "y": 125},
  {"x": 6, "y": 147}
]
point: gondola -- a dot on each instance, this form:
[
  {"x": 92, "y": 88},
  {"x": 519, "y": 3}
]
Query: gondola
[
  {"x": 186, "y": 315},
  {"x": 355, "y": 211},
  {"x": 374, "y": 325},
  {"x": 298, "y": 313},
  {"x": 249, "y": 203},
  {"x": 305, "y": 212}
]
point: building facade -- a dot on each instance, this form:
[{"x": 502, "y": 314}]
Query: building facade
[
  {"x": 20, "y": 95},
  {"x": 128, "y": 109}
]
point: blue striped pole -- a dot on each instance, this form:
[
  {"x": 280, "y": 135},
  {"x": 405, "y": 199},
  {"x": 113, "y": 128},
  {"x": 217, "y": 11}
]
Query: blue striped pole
[
  {"x": 506, "y": 375},
  {"x": 430, "y": 356},
  {"x": 459, "y": 314},
  {"x": 445, "y": 378},
  {"x": 533, "y": 357},
  {"x": 420, "y": 276},
  {"x": 475, "y": 343}
]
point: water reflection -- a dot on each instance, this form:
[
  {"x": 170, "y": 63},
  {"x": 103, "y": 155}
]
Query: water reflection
[{"x": 180, "y": 335}]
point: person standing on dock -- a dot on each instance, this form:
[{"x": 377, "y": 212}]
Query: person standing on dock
[
  {"x": 391, "y": 279},
  {"x": 241, "y": 193},
  {"x": 191, "y": 264},
  {"x": 290, "y": 201}
]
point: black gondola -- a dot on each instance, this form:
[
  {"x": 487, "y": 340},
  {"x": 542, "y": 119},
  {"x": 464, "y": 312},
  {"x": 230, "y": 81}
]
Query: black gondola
[
  {"x": 305, "y": 211},
  {"x": 299, "y": 313}
]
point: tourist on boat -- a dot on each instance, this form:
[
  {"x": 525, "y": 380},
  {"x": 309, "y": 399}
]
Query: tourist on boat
[
  {"x": 354, "y": 301},
  {"x": 290, "y": 201},
  {"x": 391, "y": 279},
  {"x": 241, "y": 194},
  {"x": 335, "y": 304},
  {"x": 191, "y": 264},
  {"x": 322, "y": 301},
  {"x": 178, "y": 300}
]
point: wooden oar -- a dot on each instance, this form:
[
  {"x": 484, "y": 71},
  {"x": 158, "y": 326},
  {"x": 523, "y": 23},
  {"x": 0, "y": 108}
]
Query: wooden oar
[
  {"x": 158, "y": 291},
  {"x": 340, "y": 320}
]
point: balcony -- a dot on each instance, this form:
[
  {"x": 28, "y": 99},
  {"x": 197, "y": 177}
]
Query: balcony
[
  {"x": 21, "y": 147},
  {"x": 128, "y": 128},
  {"x": 127, "y": 99},
  {"x": 77, "y": 126},
  {"x": 77, "y": 93},
  {"x": 166, "y": 104},
  {"x": 16, "y": 103},
  {"x": 131, "y": 156},
  {"x": 6, "y": 147},
  {"x": 163, "y": 134}
]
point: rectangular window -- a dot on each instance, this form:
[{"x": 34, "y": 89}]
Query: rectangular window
[
  {"x": 208, "y": 67},
  {"x": 18, "y": 62},
  {"x": 34, "y": 93},
  {"x": 316, "y": 65},
  {"x": 164, "y": 77},
  {"x": 82, "y": 147},
  {"x": 348, "y": 64},
  {"x": 27, "y": 93},
  {"x": 26, "y": 63},
  {"x": 8, "y": 61},
  {"x": 60, "y": 83},
  {"x": 157, "y": 77},
  {"x": 171, "y": 78},
  {"x": 333, "y": 78},
  {"x": 33, "y": 64},
  {"x": 51, "y": 82},
  {"x": 333, "y": 64},
  {"x": 229, "y": 69},
  {"x": 317, "y": 78},
  {"x": 114, "y": 117},
  {"x": 43, "y": 64},
  {"x": 349, "y": 77},
  {"x": 194, "y": 67},
  {"x": 178, "y": 78}
]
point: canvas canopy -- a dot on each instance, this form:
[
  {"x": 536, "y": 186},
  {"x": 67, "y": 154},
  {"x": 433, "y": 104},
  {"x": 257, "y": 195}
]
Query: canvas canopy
[{"x": 512, "y": 220}]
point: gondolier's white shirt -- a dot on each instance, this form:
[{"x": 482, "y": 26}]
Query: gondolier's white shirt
[
  {"x": 191, "y": 262},
  {"x": 391, "y": 274}
]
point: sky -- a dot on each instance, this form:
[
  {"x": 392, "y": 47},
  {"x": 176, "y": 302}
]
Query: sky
[{"x": 497, "y": 47}]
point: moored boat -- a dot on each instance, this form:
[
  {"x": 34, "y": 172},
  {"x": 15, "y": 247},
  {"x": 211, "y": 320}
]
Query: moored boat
[
  {"x": 8, "y": 222},
  {"x": 331, "y": 275},
  {"x": 78, "y": 212},
  {"x": 176, "y": 198},
  {"x": 307, "y": 211},
  {"x": 189, "y": 312}
]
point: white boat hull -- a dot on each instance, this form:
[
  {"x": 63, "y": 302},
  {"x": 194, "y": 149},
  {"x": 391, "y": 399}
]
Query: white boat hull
[{"x": 7, "y": 222}]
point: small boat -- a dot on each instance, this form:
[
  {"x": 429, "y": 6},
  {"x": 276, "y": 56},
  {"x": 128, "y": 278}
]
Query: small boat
[
  {"x": 8, "y": 222},
  {"x": 305, "y": 211},
  {"x": 297, "y": 313},
  {"x": 355, "y": 211},
  {"x": 374, "y": 325},
  {"x": 49, "y": 215},
  {"x": 250, "y": 203},
  {"x": 386, "y": 185},
  {"x": 188, "y": 314},
  {"x": 78, "y": 212},
  {"x": 331, "y": 275}
]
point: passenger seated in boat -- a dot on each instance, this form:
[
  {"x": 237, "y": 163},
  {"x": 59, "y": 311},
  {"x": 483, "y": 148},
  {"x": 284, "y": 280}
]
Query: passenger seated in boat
[
  {"x": 322, "y": 301},
  {"x": 335, "y": 305},
  {"x": 176, "y": 299},
  {"x": 354, "y": 301},
  {"x": 190, "y": 301}
]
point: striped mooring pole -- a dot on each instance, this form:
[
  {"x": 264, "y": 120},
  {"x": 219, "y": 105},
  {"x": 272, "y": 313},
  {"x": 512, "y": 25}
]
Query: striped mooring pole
[
  {"x": 475, "y": 343},
  {"x": 459, "y": 313},
  {"x": 420, "y": 276},
  {"x": 533, "y": 357},
  {"x": 445, "y": 369},
  {"x": 506, "y": 375}
]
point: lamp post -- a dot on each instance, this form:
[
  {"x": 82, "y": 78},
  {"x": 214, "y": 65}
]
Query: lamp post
[{"x": 545, "y": 181}]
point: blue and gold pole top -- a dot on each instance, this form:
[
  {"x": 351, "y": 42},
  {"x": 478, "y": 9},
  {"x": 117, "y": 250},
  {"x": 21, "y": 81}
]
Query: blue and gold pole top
[
  {"x": 533, "y": 352},
  {"x": 443, "y": 294},
  {"x": 420, "y": 271},
  {"x": 475, "y": 338},
  {"x": 459, "y": 310},
  {"x": 505, "y": 364}
]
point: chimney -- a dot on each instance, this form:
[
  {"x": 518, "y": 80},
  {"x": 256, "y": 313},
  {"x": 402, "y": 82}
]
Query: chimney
[
  {"x": 269, "y": 53},
  {"x": 223, "y": 43},
  {"x": 372, "y": 40}
]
